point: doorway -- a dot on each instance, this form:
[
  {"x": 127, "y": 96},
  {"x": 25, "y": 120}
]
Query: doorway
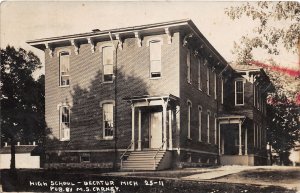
[{"x": 155, "y": 130}]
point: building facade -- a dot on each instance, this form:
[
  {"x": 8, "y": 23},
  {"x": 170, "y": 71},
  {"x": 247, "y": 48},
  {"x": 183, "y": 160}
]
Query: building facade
[{"x": 150, "y": 97}]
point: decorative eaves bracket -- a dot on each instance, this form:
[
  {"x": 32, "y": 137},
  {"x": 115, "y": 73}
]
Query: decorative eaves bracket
[
  {"x": 169, "y": 35},
  {"x": 138, "y": 36},
  {"x": 90, "y": 41},
  {"x": 120, "y": 45},
  {"x": 185, "y": 39},
  {"x": 76, "y": 46},
  {"x": 50, "y": 49}
]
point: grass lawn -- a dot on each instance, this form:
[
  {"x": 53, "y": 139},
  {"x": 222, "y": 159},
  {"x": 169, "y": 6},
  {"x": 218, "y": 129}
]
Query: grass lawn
[
  {"x": 283, "y": 176},
  {"x": 19, "y": 181}
]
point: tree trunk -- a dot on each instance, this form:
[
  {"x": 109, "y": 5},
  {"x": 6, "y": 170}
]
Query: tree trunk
[{"x": 13, "y": 155}]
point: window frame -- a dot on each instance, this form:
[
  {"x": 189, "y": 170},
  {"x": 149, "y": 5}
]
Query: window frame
[
  {"x": 60, "y": 55},
  {"x": 222, "y": 90},
  {"x": 208, "y": 126},
  {"x": 199, "y": 75},
  {"x": 208, "y": 81},
  {"x": 240, "y": 92},
  {"x": 108, "y": 137},
  {"x": 87, "y": 155},
  {"x": 159, "y": 42},
  {"x": 215, "y": 85},
  {"x": 61, "y": 129},
  {"x": 188, "y": 66},
  {"x": 189, "y": 105},
  {"x": 216, "y": 126},
  {"x": 106, "y": 65},
  {"x": 200, "y": 122}
]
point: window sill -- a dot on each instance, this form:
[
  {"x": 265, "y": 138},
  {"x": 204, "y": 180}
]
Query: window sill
[
  {"x": 64, "y": 139},
  {"x": 64, "y": 86},
  {"x": 239, "y": 105},
  {"x": 154, "y": 78},
  {"x": 108, "y": 82},
  {"x": 108, "y": 138}
]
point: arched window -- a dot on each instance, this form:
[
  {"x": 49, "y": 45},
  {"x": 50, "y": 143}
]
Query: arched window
[
  {"x": 208, "y": 126},
  {"x": 208, "y": 80},
  {"x": 200, "y": 122},
  {"x": 64, "y": 120},
  {"x": 189, "y": 104}
]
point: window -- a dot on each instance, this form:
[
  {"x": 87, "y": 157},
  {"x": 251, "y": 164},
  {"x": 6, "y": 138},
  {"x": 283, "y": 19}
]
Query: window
[
  {"x": 254, "y": 94},
  {"x": 239, "y": 92},
  {"x": 107, "y": 61},
  {"x": 188, "y": 65},
  {"x": 215, "y": 85},
  {"x": 216, "y": 128},
  {"x": 208, "y": 125},
  {"x": 189, "y": 157},
  {"x": 259, "y": 130},
  {"x": 200, "y": 122},
  {"x": 108, "y": 120},
  {"x": 155, "y": 59},
  {"x": 222, "y": 91},
  {"x": 199, "y": 75},
  {"x": 257, "y": 97},
  {"x": 189, "y": 119},
  {"x": 85, "y": 157},
  {"x": 64, "y": 123},
  {"x": 64, "y": 64},
  {"x": 208, "y": 80},
  {"x": 254, "y": 134}
]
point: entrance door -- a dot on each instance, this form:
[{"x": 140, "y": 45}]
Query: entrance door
[{"x": 155, "y": 129}]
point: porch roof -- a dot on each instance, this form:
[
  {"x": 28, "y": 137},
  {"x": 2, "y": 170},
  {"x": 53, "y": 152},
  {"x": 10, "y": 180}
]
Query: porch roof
[
  {"x": 150, "y": 98},
  {"x": 230, "y": 118}
]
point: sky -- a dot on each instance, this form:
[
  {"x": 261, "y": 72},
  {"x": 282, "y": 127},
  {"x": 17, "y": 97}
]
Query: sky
[{"x": 22, "y": 21}]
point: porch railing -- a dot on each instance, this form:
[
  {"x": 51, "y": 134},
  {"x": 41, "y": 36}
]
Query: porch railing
[
  {"x": 122, "y": 156},
  {"x": 162, "y": 145}
]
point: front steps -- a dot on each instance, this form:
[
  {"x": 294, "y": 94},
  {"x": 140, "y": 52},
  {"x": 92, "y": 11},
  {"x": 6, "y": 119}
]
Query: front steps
[{"x": 144, "y": 160}]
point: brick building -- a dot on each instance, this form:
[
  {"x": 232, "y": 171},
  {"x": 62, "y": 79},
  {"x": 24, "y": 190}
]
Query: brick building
[{"x": 150, "y": 97}]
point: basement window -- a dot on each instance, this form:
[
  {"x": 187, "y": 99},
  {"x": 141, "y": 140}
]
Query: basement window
[{"x": 85, "y": 157}]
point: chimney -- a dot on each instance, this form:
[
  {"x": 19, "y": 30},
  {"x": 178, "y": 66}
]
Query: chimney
[{"x": 96, "y": 30}]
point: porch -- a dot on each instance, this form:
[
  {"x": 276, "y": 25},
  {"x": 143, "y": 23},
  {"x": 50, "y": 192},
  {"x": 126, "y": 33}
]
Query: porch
[
  {"x": 154, "y": 122},
  {"x": 233, "y": 140}
]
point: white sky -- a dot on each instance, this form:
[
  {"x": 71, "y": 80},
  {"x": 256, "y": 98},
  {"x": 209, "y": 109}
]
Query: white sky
[{"x": 22, "y": 21}]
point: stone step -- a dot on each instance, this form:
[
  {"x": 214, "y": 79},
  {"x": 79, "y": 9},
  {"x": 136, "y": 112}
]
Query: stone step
[{"x": 143, "y": 160}]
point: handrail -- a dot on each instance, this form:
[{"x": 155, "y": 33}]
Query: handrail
[
  {"x": 162, "y": 145},
  {"x": 121, "y": 158},
  {"x": 126, "y": 151}
]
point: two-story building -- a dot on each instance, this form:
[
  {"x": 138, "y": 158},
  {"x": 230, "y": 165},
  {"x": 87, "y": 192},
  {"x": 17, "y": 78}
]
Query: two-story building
[{"x": 150, "y": 97}]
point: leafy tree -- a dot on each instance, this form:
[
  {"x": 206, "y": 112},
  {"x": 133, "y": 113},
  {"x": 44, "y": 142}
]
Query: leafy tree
[
  {"x": 278, "y": 28},
  {"x": 22, "y": 97},
  {"x": 283, "y": 125}
]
